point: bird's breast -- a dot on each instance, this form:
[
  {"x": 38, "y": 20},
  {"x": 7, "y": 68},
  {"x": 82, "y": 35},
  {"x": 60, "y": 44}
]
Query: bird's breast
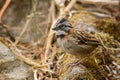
[{"x": 73, "y": 48}]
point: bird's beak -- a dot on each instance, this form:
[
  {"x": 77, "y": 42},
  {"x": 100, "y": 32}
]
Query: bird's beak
[{"x": 53, "y": 28}]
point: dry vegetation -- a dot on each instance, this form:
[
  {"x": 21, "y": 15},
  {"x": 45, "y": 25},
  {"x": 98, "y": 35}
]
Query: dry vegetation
[{"x": 27, "y": 40}]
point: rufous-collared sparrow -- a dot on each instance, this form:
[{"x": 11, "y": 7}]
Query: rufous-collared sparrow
[{"x": 79, "y": 40}]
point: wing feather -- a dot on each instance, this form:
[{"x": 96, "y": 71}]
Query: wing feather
[{"x": 85, "y": 37}]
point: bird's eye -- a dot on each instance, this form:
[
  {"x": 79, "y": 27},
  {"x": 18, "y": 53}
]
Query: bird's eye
[{"x": 62, "y": 27}]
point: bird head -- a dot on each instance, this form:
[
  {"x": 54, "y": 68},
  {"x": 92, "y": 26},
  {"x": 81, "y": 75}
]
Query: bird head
[{"x": 62, "y": 27}]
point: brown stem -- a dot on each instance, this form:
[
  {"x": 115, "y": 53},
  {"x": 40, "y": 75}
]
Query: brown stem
[{"x": 3, "y": 9}]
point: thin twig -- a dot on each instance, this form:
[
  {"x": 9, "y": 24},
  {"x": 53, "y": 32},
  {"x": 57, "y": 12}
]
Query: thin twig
[
  {"x": 18, "y": 55},
  {"x": 112, "y": 2},
  {"x": 106, "y": 46},
  {"x": 70, "y": 5},
  {"x": 50, "y": 35},
  {"x": 35, "y": 74},
  {"x": 27, "y": 23},
  {"x": 4, "y": 8},
  {"x": 23, "y": 31}
]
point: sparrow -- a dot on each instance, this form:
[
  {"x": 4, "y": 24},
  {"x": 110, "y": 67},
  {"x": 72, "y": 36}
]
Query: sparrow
[{"x": 78, "y": 40}]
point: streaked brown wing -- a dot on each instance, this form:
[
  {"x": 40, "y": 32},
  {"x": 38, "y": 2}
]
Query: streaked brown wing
[{"x": 85, "y": 37}]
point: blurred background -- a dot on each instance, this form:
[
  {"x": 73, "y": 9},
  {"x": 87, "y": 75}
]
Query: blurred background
[{"x": 28, "y": 48}]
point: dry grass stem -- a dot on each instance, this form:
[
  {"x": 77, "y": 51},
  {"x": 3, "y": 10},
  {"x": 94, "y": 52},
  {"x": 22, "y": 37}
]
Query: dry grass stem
[
  {"x": 113, "y": 2},
  {"x": 24, "y": 29},
  {"x": 50, "y": 35},
  {"x": 70, "y": 5},
  {"x": 106, "y": 46},
  {"x": 19, "y": 56},
  {"x": 35, "y": 74}
]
